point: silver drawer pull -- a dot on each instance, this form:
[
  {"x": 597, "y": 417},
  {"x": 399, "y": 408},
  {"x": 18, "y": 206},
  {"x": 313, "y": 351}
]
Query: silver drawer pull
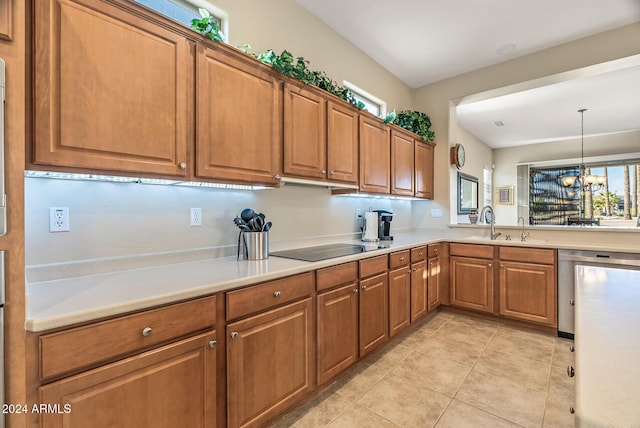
[
  {"x": 571, "y": 371},
  {"x": 277, "y": 293},
  {"x": 401, "y": 259},
  {"x": 234, "y": 335},
  {"x": 213, "y": 343},
  {"x": 490, "y": 265},
  {"x": 572, "y": 348},
  {"x": 147, "y": 331},
  {"x": 572, "y": 302},
  {"x": 183, "y": 165},
  {"x": 364, "y": 287},
  {"x": 355, "y": 290}
]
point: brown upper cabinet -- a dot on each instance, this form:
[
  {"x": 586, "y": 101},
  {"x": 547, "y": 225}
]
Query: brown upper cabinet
[
  {"x": 6, "y": 19},
  {"x": 423, "y": 157},
  {"x": 305, "y": 133},
  {"x": 320, "y": 136},
  {"x": 375, "y": 155},
  {"x": 402, "y": 162},
  {"x": 342, "y": 142},
  {"x": 112, "y": 90},
  {"x": 239, "y": 129}
]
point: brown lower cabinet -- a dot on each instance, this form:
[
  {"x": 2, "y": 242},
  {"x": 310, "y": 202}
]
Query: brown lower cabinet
[
  {"x": 419, "y": 292},
  {"x": 472, "y": 283},
  {"x": 171, "y": 386},
  {"x": 374, "y": 313},
  {"x": 400, "y": 303},
  {"x": 434, "y": 283},
  {"x": 271, "y": 351},
  {"x": 337, "y": 331}
]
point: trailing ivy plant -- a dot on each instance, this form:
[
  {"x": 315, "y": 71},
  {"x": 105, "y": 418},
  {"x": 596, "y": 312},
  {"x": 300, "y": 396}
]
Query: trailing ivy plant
[
  {"x": 416, "y": 122},
  {"x": 207, "y": 26}
]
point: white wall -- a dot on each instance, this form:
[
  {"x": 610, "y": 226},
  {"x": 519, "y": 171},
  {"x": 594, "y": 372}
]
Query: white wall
[
  {"x": 119, "y": 219},
  {"x": 438, "y": 99}
]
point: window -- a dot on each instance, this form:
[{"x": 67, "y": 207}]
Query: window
[
  {"x": 184, "y": 11},
  {"x": 613, "y": 203},
  {"x": 487, "y": 184},
  {"x": 371, "y": 103}
]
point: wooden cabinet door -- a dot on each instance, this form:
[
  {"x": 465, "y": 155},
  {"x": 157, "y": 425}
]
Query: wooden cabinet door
[
  {"x": 305, "y": 133},
  {"x": 172, "y": 386},
  {"x": 528, "y": 292},
  {"x": 6, "y": 19},
  {"x": 342, "y": 143},
  {"x": 424, "y": 169},
  {"x": 375, "y": 156},
  {"x": 112, "y": 90},
  {"x": 270, "y": 363},
  {"x": 472, "y": 283},
  {"x": 337, "y": 331},
  {"x": 239, "y": 126},
  {"x": 402, "y": 163},
  {"x": 433, "y": 284},
  {"x": 400, "y": 290},
  {"x": 374, "y": 313},
  {"x": 419, "y": 282}
]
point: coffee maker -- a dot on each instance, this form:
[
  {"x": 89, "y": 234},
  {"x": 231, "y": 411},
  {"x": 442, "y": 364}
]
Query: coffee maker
[{"x": 384, "y": 225}]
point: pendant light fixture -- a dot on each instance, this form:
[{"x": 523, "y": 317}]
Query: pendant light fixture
[{"x": 585, "y": 181}]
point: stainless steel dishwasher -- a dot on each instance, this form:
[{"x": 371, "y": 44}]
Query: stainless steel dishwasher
[{"x": 567, "y": 261}]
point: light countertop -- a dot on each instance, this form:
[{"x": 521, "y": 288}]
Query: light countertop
[
  {"x": 607, "y": 347},
  {"x": 63, "y": 302}
]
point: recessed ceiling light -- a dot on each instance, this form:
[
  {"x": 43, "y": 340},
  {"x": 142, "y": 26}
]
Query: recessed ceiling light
[
  {"x": 498, "y": 123},
  {"x": 505, "y": 49}
]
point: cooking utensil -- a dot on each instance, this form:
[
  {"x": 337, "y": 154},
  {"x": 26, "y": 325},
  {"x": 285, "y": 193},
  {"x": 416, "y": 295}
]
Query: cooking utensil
[
  {"x": 266, "y": 226},
  {"x": 238, "y": 221},
  {"x": 258, "y": 223},
  {"x": 247, "y": 214}
]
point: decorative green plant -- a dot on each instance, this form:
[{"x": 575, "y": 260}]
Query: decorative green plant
[
  {"x": 416, "y": 122},
  {"x": 298, "y": 68},
  {"x": 207, "y": 26}
]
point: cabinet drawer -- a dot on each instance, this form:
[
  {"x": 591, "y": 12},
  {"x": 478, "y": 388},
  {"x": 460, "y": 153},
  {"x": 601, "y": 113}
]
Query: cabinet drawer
[
  {"x": 373, "y": 266},
  {"x": 471, "y": 250},
  {"x": 433, "y": 250},
  {"x": 401, "y": 258},
  {"x": 418, "y": 254},
  {"x": 543, "y": 256},
  {"x": 270, "y": 294},
  {"x": 91, "y": 344},
  {"x": 336, "y": 275}
]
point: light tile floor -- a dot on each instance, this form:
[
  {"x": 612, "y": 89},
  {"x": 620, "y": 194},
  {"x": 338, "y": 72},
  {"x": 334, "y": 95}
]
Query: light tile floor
[{"x": 451, "y": 371}]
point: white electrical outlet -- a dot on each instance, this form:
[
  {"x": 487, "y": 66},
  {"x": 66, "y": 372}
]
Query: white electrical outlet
[
  {"x": 196, "y": 216},
  {"x": 58, "y": 219}
]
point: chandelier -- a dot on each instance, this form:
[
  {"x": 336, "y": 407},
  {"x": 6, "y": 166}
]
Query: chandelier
[{"x": 585, "y": 181}]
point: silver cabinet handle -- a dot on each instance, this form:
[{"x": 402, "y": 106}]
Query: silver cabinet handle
[
  {"x": 501, "y": 266},
  {"x": 277, "y": 293},
  {"x": 277, "y": 176},
  {"x": 364, "y": 287},
  {"x": 430, "y": 263},
  {"x": 571, "y": 371},
  {"x": 332, "y": 172},
  {"x": 420, "y": 253},
  {"x": 213, "y": 343},
  {"x": 146, "y": 331},
  {"x": 572, "y": 410},
  {"x": 355, "y": 290},
  {"x": 572, "y": 302},
  {"x": 572, "y": 348},
  {"x": 401, "y": 259},
  {"x": 435, "y": 250},
  {"x": 490, "y": 264},
  {"x": 183, "y": 165},
  {"x": 415, "y": 269},
  {"x": 324, "y": 171},
  {"x": 234, "y": 335}
]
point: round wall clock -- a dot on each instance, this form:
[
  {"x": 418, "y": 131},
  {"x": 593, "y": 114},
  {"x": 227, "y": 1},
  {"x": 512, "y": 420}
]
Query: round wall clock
[{"x": 457, "y": 155}]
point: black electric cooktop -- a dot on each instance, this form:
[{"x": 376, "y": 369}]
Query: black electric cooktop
[{"x": 323, "y": 252}]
